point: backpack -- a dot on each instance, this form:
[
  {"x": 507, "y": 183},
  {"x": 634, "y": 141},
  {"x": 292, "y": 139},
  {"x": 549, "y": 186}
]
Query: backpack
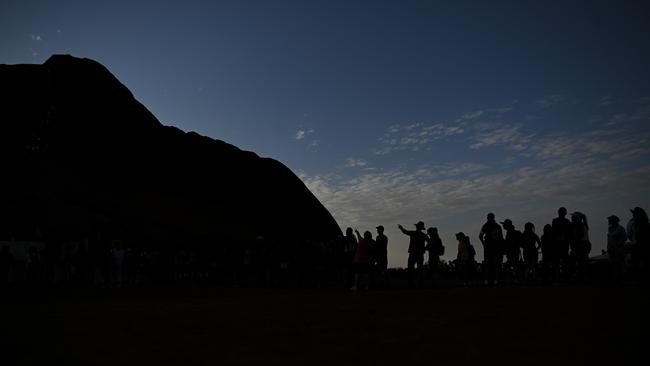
[{"x": 472, "y": 252}]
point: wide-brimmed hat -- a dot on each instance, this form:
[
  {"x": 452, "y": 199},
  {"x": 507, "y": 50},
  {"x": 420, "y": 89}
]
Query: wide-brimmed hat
[
  {"x": 506, "y": 222},
  {"x": 613, "y": 218}
]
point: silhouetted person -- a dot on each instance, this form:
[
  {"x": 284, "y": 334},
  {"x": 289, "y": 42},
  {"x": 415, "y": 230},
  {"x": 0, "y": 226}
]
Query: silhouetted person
[
  {"x": 580, "y": 244},
  {"x": 118, "y": 259},
  {"x": 616, "y": 238},
  {"x": 531, "y": 244},
  {"x": 465, "y": 258},
  {"x": 33, "y": 269},
  {"x": 6, "y": 265},
  {"x": 638, "y": 232},
  {"x": 513, "y": 249},
  {"x": 350, "y": 252},
  {"x": 381, "y": 257},
  {"x": 562, "y": 233},
  {"x": 436, "y": 249},
  {"x": 416, "y": 251},
  {"x": 362, "y": 261},
  {"x": 491, "y": 236},
  {"x": 550, "y": 261}
]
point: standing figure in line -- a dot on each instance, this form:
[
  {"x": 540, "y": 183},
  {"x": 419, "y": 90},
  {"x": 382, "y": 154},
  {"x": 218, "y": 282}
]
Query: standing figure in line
[
  {"x": 531, "y": 244},
  {"x": 638, "y": 231},
  {"x": 416, "y": 251},
  {"x": 580, "y": 244},
  {"x": 436, "y": 249},
  {"x": 616, "y": 238},
  {"x": 562, "y": 232},
  {"x": 465, "y": 259},
  {"x": 491, "y": 236},
  {"x": 362, "y": 261},
  {"x": 513, "y": 250},
  {"x": 381, "y": 258},
  {"x": 350, "y": 251},
  {"x": 550, "y": 266}
]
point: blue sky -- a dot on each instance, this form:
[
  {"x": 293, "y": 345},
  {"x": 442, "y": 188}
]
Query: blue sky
[{"x": 390, "y": 111}]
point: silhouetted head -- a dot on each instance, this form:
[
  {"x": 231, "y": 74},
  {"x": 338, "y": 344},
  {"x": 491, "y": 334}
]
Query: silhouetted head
[
  {"x": 380, "y": 229},
  {"x": 548, "y": 229},
  {"x": 461, "y": 236},
  {"x": 529, "y": 227},
  {"x": 613, "y": 220},
  {"x": 367, "y": 235},
  {"x": 349, "y": 231},
  {"x": 419, "y": 225},
  {"x": 575, "y": 218},
  {"x": 432, "y": 231},
  {"x": 639, "y": 214},
  {"x": 507, "y": 224},
  {"x": 561, "y": 211},
  {"x": 490, "y": 217}
]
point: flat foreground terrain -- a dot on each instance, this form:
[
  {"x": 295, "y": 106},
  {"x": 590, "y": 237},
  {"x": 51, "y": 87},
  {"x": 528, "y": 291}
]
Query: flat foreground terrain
[{"x": 210, "y": 326}]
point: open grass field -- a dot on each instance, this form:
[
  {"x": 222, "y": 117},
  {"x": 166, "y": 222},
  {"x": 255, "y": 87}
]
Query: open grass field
[{"x": 575, "y": 325}]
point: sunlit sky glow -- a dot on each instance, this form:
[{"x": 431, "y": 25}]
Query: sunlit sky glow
[{"x": 390, "y": 111}]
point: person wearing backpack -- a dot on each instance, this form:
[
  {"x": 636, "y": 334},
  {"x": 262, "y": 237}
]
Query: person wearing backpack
[
  {"x": 436, "y": 249},
  {"x": 491, "y": 236}
]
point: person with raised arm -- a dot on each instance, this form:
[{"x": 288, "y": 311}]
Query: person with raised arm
[{"x": 416, "y": 251}]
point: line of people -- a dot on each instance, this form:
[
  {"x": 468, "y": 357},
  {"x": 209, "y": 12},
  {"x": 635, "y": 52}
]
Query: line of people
[{"x": 512, "y": 257}]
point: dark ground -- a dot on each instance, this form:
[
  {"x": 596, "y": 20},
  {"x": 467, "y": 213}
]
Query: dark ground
[{"x": 180, "y": 326}]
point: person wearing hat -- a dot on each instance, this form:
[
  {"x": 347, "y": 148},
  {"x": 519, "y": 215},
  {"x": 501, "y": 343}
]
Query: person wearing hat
[
  {"x": 616, "y": 238},
  {"x": 491, "y": 236},
  {"x": 416, "y": 250},
  {"x": 513, "y": 250}
]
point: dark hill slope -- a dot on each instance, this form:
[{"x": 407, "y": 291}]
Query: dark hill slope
[{"x": 80, "y": 154}]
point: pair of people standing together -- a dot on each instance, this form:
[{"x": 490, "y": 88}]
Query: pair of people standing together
[{"x": 419, "y": 243}]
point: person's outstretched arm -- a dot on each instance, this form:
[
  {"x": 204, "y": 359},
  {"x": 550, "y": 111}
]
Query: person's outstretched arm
[{"x": 358, "y": 235}]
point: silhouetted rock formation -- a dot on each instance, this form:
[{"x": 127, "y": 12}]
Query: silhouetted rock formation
[{"x": 79, "y": 155}]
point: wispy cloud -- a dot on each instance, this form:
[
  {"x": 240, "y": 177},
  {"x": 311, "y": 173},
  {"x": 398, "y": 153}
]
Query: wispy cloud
[
  {"x": 606, "y": 101},
  {"x": 510, "y": 136},
  {"x": 301, "y": 134},
  {"x": 354, "y": 163},
  {"x": 548, "y": 101},
  {"x": 415, "y": 136}
]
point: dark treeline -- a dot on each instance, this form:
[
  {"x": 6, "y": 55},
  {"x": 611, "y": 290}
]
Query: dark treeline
[{"x": 353, "y": 261}]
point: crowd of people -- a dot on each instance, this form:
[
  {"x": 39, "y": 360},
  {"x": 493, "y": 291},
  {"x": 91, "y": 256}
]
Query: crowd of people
[
  {"x": 513, "y": 256},
  {"x": 354, "y": 261}
]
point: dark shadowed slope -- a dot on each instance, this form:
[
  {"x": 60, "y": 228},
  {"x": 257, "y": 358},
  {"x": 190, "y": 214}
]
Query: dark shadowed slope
[{"x": 81, "y": 154}]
